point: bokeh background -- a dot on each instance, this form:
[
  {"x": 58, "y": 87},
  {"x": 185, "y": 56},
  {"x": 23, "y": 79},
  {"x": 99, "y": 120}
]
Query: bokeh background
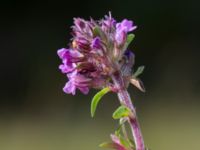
[{"x": 36, "y": 115}]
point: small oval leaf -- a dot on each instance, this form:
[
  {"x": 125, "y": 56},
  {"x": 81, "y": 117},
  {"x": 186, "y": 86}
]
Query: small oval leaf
[
  {"x": 97, "y": 98},
  {"x": 124, "y": 142},
  {"x": 97, "y": 31},
  {"x": 138, "y": 71},
  {"x": 121, "y": 112},
  {"x": 130, "y": 38},
  {"x": 108, "y": 145}
]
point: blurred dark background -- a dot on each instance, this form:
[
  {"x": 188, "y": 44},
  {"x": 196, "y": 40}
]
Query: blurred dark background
[{"x": 36, "y": 115}]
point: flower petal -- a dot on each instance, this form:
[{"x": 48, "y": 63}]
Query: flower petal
[
  {"x": 66, "y": 68},
  {"x": 126, "y": 26},
  {"x": 84, "y": 90},
  {"x": 69, "y": 88},
  {"x": 96, "y": 43},
  {"x": 61, "y": 52},
  {"x": 120, "y": 37}
]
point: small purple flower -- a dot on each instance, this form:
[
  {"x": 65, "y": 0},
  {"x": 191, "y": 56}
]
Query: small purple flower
[
  {"x": 95, "y": 53},
  {"x": 66, "y": 68},
  {"x": 70, "y": 55},
  {"x": 120, "y": 37},
  {"x": 96, "y": 43},
  {"x": 69, "y": 58},
  {"x": 79, "y": 23},
  {"x": 125, "y": 26},
  {"x": 108, "y": 24},
  {"x": 122, "y": 29},
  {"x": 128, "y": 62},
  {"x": 77, "y": 80}
]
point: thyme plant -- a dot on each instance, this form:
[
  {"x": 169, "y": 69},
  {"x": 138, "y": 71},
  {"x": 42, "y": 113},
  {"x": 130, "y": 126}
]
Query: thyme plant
[{"x": 98, "y": 57}]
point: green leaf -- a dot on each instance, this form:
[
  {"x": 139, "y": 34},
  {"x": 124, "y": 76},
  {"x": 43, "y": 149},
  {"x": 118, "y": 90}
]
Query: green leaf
[
  {"x": 122, "y": 121},
  {"x": 118, "y": 130},
  {"x": 107, "y": 145},
  {"x": 138, "y": 71},
  {"x": 121, "y": 112},
  {"x": 130, "y": 38},
  {"x": 98, "y": 32},
  {"x": 124, "y": 142},
  {"x": 97, "y": 98},
  {"x": 131, "y": 143}
]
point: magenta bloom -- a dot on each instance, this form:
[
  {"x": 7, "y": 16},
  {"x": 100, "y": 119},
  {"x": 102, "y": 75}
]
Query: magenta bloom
[
  {"x": 125, "y": 26},
  {"x": 97, "y": 50}
]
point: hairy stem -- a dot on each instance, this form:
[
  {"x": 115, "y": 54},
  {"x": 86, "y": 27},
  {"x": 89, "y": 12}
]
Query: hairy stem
[{"x": 125, "y": 99}]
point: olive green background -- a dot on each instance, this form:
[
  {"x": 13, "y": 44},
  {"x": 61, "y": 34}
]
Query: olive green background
[{"x": 36, "y": 115}]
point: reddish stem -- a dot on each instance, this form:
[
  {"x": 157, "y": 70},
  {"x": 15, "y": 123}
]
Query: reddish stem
[{"x": 125, "y": 99}]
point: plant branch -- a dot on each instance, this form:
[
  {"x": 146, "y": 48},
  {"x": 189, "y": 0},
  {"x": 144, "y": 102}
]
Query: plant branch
[{"x": 125, "y": 99}]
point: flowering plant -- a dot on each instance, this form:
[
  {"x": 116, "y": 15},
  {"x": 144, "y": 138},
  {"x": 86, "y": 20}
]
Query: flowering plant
[{"x": 98, "y": 57}]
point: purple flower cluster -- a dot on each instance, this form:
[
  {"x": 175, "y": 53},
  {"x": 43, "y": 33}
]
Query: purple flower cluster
[{"x": 97, "y": 50}]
